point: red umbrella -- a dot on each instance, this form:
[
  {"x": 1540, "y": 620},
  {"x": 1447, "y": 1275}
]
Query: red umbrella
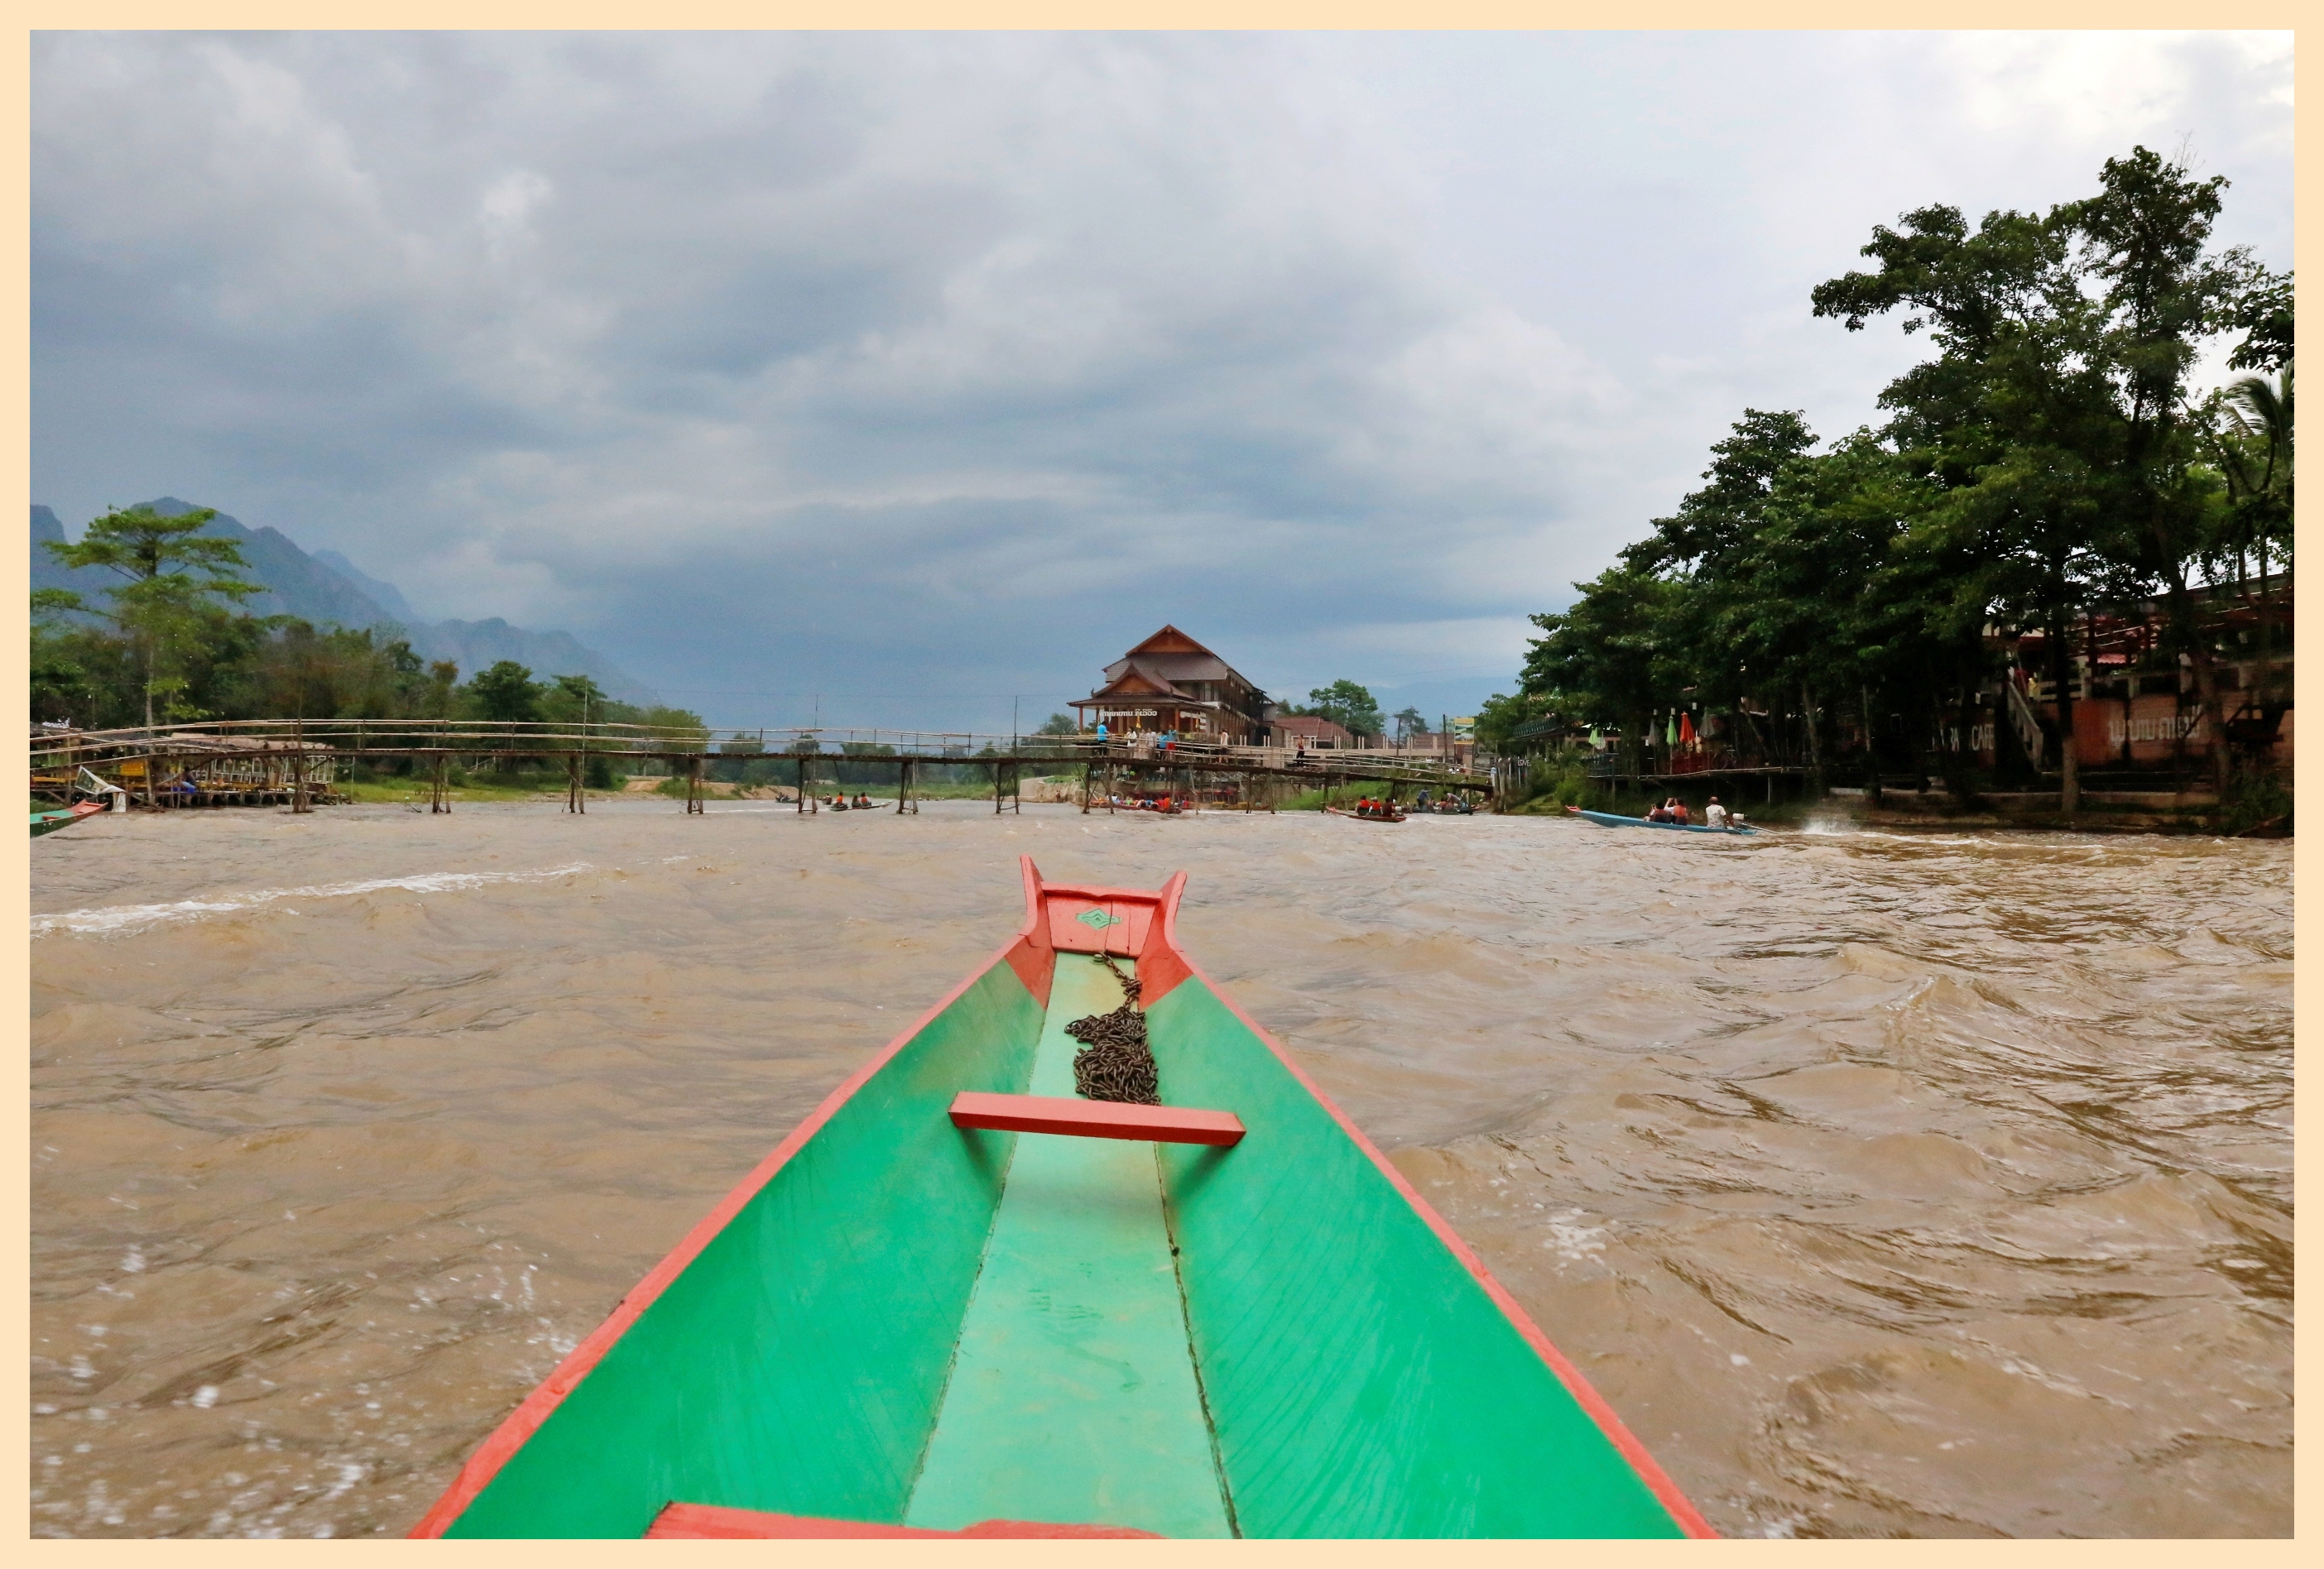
[{"x": 1685, "y": 731}]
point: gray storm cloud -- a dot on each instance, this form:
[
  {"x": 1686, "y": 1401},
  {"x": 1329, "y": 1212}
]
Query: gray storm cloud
[{"x": 934, "y": 367}]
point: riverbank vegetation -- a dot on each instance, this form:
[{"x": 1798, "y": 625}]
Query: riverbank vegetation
[
  {"x": 168, "y": 644},
  {"x": 2048, "y": 462}
]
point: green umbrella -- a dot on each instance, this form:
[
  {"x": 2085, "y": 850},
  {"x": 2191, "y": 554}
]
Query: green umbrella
[{"x": 1673, "y": 734}]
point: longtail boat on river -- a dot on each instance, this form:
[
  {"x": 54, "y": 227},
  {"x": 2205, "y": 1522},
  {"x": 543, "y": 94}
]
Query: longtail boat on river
[
  {"x": 1388, "y": 816},
  {"x": 961, "y": 1299},
  {"x": 1609, "y": 820},
  {"x": 64, "y": 817}
]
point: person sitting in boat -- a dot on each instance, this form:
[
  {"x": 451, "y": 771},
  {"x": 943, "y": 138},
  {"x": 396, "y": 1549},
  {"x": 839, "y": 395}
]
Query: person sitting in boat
[
  {"x": 1661, "y": 814},
  {"x": 863, "y": 802},
  {"x": 1678, "y": 812},
  {"x": 1714, "y": 815}
]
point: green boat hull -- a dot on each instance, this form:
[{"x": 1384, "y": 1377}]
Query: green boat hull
[
  {"x": 895, "y": 1325},
  {"x": 49, "y": 822}
]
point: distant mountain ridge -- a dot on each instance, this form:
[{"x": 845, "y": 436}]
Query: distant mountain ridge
[{"x": 326, "y": 588}]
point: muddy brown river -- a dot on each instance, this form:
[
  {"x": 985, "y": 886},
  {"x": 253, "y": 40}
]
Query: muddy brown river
[{"x": 1918, "y": 1186}]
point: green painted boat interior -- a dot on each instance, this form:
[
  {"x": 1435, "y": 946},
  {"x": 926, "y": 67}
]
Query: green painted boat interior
[
  {"x": 1075, "y": 1398},
  {"x": 916, "y": 1323}
]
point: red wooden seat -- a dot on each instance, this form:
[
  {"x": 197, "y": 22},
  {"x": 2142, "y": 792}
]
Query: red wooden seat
[{"x": 1094, "y": 1119}]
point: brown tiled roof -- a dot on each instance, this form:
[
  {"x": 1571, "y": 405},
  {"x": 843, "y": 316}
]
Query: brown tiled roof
[
  {"x": 1135, "y": 682},
  {"x": 1204, "y": 666},
  {"x": 1170, "y": 640}
]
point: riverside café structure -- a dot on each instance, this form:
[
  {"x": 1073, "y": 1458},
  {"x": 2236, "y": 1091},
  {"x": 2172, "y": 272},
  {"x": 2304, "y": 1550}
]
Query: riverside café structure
[{"x": 1172, "y": 685}]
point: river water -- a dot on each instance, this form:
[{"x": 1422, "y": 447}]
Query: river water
[{"x": 1928, "y": 1185}]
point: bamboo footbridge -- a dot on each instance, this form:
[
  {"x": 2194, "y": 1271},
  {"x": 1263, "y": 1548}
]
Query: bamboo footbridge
[{"x": 297, "y": 762}]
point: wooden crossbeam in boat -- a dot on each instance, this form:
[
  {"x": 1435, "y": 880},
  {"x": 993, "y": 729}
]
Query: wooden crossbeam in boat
[
  {"x": 698, "y": 1522},
  {"x": 1094, "y": 1119}
]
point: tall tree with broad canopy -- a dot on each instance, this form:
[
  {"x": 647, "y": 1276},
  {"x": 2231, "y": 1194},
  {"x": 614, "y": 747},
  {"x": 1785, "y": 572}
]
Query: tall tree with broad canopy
[
  {"x": 174, "y": 577},
  {"x": 1347, "y": 705},
  {"x": 505, "y": 693}
]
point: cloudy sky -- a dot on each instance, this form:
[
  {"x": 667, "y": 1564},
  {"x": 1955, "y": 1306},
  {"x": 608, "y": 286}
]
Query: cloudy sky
[{"x": 907, "y": 373}]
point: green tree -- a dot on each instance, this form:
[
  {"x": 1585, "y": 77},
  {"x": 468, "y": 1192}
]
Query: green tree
[
  {"x": 2010, "y": 420},
  {"x": 436, "y": 697},
  {"x": 175, "y": 579},
  {"x": 1059, "y": 725},
  {"x": 1348, "y": 705},
  {"x": 1608, "y": 660},
  {"x": 578, "y": 700},
  {"x": 1410, "y": 722},
  {"x": 1502, "y": 715},
  {"x": 2248, "y": 430},
  {"x": 2147, "y": 237},
  {"x": 505, "y": 693},
  {"x": 679, "y": 729},
  {"x": 2053, "y": 416},
  {"x": 322, "y": 673}
]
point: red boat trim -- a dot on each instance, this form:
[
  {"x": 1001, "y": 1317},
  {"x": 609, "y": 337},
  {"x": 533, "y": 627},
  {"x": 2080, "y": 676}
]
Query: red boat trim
[
  {"x": 1658, "y": 1481},
  {"x": 1033, "y": 956},
  {"x": 1160, "y": 966},
  {"x": 536, "y": 1408},
  {"x": 1094, "y": 1119},
  {"x": 698, "y": 1522}
]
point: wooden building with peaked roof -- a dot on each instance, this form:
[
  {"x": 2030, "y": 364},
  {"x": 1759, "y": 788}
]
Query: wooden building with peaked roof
[{"x": 1171, "y": 683}]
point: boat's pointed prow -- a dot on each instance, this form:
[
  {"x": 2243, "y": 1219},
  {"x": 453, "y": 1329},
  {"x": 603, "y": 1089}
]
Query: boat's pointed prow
[{"x": 952, "y": 1304}]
